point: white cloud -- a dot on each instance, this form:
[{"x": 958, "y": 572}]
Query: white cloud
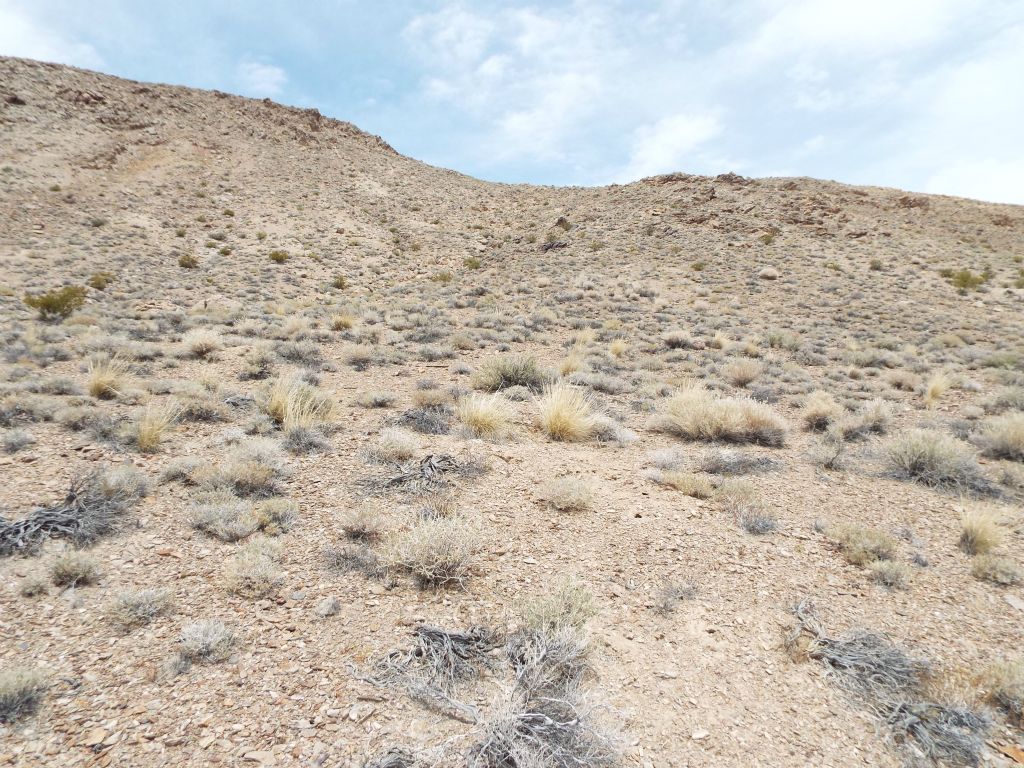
[
  {"x": 257, "y": 78},
  {"x": 23, "y": 35},
  {"x": 668, "y": 145}
]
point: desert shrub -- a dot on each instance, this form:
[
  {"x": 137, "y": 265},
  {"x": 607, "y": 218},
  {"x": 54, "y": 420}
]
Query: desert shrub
[
  {"x": 21, "y": 692},
  {"x": 16, "y": 439},
  {"x": 224, "y": 516},
  {"x": 100, "y": 280},
  {"x": 303, "y": 352},
  {"x": 498, "y": 373},
  {"x": 252, "y": 468},
  {"x": 997, "y": 569},
  {"x": 566, "y": 413},
  {"x": 136, "y": 609},
  {"x": 757, "y": 520},
  {"x": 303, "y": 440},
  {"x": 861, "y": 545},
  {"x": 355, "y": 558},
  {"x": 890, "y": 573},
  {"x": 254, "y": 571},
  {"x": 257, "y": 363},
  {"x": 980, "y": 532},
  {"x": 438, "y": 551},
  {"x": 873, "y": 417},
  {"x": 935, "y": 460},
  {"x": 725, "y": 461},
  {"x": 58, "y": 303},
  {"x": 567, "y": 605},
  {"x": 696, "y": 414},
  {"x": 570, "y": 493},
  {"x": 200, "y": 343},
  {"x": 207, "y": 641},
  {"x": 820, "y": 410},
  {"x": 198, "y": 407},
  {"x": 1003, "y": 437},
  {"x": 73, "y": 568},
  {"x": 279, "y": 257},
  {"x": 677, "y": 340},
  {"x": 485, "y": 416},
  {"x": 427, "y": 420},
  {"x": 363, "y": 522},
  {"x": 276, "y": 515},
  {"x": 188, "y": 261},
  {"x": 375, "y": 399}
]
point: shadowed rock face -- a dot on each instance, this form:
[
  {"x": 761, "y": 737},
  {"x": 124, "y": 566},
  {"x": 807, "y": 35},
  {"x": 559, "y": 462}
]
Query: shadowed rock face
[{"x": 271, "y": 295}]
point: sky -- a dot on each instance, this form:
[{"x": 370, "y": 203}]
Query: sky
[{"x": 924, "y": 95}]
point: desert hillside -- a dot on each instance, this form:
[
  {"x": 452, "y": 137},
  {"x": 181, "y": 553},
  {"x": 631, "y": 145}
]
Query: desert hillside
[{"x": 317, "y": 455}]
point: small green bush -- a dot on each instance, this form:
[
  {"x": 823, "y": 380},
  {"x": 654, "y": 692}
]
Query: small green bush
[
  {"x": 60, "y": 302},
  {"x": 100, "y": 280},
  {"x": 279, "y": 257},
  {"x": 188, "y": 261}
]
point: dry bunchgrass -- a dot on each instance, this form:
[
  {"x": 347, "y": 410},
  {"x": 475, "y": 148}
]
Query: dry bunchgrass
[
  {"x": 861, "y": 545},
  {"x": 292, "y": 403},
  {"x": 136, "y": 609},
  {"x": 276, "y": 515},
  {"x": 254, "y": 571},
  {"x": 890, "y": 573},
  {"x": 980, "y": 532},
  {"x": 567, "y": 605},
  {"x": 572, "y": 363},
  {"x": 393, "y": 444},
  {"x": 363, "y": 522},
  {"x": 1003, "y": 437},
  {"x": 201, "y": 343},
  {"x": 343, "y": 322},
  {"x": 820, "y": 410},
  {"x": 107, "y": 376},
  {"x": 251, "y": 468},
  {"x": 935, "y": 460},
  {"x": 498, "y": 373},
  {"x": 437, "y": 551},
  {"x": 690, "y": 483},
  {"x": 996, "y": 569},
  {"x": 696, "y": 414},
  {"x": 934, "y": 389},
  {"x": 149, "y": 427},
  {"x": 618, "y": 348},
  {"x": 570, "y": 493},
  {"x": 485, "y": 416},
  {"x": 21, "y": 692},
  {"x": 1003, "y": 683},
  {"x": 743, "y": 372},
  {"x": 566, "y": 413},
  {"x": 74, "y": 568}
]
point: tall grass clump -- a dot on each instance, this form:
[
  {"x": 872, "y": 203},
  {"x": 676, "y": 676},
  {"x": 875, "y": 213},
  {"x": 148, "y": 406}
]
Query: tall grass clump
[{"x": 696, "y": 414}]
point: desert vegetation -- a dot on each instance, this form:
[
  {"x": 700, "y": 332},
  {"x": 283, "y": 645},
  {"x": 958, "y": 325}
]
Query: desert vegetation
[{"x": 337, "y": 458}]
